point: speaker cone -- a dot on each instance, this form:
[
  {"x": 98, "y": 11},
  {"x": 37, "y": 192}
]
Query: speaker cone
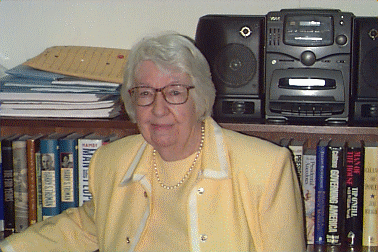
[{"x": 235, "y": 65}]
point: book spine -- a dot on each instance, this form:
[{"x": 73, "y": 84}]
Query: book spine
[
  {"x": 7, "y": 158},
  {"x": 1, "y": 196},
  {"x": 38, "y": 181},
  {"x": 32, "y": 186},
  {"x": 320, "y": 195},
  {"x": 20, "y": 186},
  {"x": 370, "y": 214},
  {"x": 335, "y": 197},
  {"x": 308, "y": 185},
  {"x": 297, "y": 152},
  {"x": 68, "y": 173},
  {"x": 86, "y": 148},
  {"x": 50, "y": 178},
  {"x": 354, "y": 196}
]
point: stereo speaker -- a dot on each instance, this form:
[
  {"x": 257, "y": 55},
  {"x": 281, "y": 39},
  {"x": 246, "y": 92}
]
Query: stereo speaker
[
  {"x": 234, "y": 48},
  {"x": 365, "y": 69}
]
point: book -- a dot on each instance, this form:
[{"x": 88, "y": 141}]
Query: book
[
  {"x": 24, "y": 71},
  {"x": 1, "y": 194},
  {"x": 49, "y": 149},
  {"x": 76, "y": 81},
  {"x": 370, "y": 214},
  {"x": 7, "y": 164},
  {"x": 68, "y": 147},
  {"x": 20, "y": 183},
  {"x": 38, "y": 181},
  {"x": 35, "y": 95},
  {"x": 336, "y": 193},
  {"x": 308, "y": 187},
  {"x": 32, "y": 148},
  {"x": 66, "y": 113},
  {"x": 298, "y": 147},
  {"x": 59, "y": 105},
  {"x": 13, "y": 88},
  {"x": 354, "y": 193},
  {"x": 321, "y": 188},
  {"x": 86, "y": 148},
  {"x": 15, "y": 84}
]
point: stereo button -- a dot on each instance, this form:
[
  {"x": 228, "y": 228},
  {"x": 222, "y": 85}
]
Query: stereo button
[{"x": 341, "y": 40}]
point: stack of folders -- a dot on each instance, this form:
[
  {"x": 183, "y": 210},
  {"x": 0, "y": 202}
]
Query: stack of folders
[{"x": 28, "y": 92}]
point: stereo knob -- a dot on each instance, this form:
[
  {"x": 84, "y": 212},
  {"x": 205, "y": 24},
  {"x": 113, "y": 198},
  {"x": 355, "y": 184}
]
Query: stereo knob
[
  {"x": 341, "y": 39},
  {"x": 308, "y": 58}
]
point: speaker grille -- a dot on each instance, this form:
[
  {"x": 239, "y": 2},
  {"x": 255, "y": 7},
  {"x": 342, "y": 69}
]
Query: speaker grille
[
  {"x": 235, "y": 65},
  {"x": 369, "y": 68}
]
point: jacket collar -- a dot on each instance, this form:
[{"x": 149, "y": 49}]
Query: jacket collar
[{"x": 215, "y": 162}]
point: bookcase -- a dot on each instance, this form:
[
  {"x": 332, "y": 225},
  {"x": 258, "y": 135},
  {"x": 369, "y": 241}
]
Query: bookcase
[{"x": 122, "y": 127}]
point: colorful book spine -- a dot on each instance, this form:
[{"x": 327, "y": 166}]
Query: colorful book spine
[
  {"x": 321, "y": 189},
  {"x": 297, "y": 148},
  {"x": 354, "y": 193},
  {"x": 20, "y": 184},
  {"x": 7, "y": 159},
  {"x": 69, "y": 171},
  {"x": 336, "y": 196},
  {"x": 38, "y": 181},
  {"x": 370, "y": 214},
  {"x": 308, "y": 186},
  {"x": 32, "y": 147},
  {"x": 86, "y": 148},
  {"x": 49, "y": 149}
]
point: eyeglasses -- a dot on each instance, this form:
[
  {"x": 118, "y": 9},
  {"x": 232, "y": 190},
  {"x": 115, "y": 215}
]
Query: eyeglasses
[{"x": 173, "y": 94}]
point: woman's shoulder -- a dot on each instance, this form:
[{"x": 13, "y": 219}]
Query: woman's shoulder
[
  {"x": 120, "y": 146},
  {"x": 245, "y": 142},
  {"x": 255, "y": 157}
]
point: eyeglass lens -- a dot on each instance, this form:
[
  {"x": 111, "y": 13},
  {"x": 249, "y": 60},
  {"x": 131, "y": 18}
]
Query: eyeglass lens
[{"x": 173, "y": 94}]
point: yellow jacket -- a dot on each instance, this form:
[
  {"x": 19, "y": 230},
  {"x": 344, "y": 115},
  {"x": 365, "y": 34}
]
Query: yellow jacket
[{"x": 248, "y": 188}]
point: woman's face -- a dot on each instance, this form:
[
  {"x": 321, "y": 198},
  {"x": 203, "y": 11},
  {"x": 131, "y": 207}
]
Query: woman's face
[{"x": 164, "y": 125}]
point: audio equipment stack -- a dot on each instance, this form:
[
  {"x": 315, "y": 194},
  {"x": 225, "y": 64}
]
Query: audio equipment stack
[
  {"x": 302, "y": 66},
  {"x": 233, "y": 46}
]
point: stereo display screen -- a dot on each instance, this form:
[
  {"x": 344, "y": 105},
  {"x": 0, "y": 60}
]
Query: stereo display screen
[{"x": 308, "y": 30}]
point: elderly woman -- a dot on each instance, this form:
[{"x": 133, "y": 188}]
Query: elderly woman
[{"x": 184, "y": 183}]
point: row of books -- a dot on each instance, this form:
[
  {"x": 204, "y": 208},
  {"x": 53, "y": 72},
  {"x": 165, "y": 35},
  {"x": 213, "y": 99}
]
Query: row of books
[
  {"x": 43, "y": 175},
  {"x": 29, "y": 92},
  {"x": 339, "y": 181}
]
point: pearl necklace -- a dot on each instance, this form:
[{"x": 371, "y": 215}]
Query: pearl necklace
[{"x": 190, "y": 169}]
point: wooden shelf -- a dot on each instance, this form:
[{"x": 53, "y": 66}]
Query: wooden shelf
[
  {"x": 122, "y": 127},
  {"x": 119, "y": 126},
  {"x": 274, "y": 132}
]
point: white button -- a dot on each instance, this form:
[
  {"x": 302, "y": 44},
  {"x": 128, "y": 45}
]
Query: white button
[
  {"x": 201, "y": 190},
  {"x": 203, "y": 237}
]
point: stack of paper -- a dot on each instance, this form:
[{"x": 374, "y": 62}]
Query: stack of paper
[{"x": 28, "y": 92}]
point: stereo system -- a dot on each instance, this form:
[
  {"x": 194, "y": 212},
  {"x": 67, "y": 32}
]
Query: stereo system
[
  {"x": 292, "y": 65},
  {"x": 233, "y": 46},
  {"x": 365, "y": 70}
]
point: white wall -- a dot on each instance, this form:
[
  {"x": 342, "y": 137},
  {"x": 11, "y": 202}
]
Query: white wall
[{"x": 27, "y": 27}]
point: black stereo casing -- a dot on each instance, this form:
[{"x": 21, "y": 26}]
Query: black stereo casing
[
  {"x": 234, "y": 48},
  {"x": 365, "y": 70},
  {"x": 299, "y": 45}
]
